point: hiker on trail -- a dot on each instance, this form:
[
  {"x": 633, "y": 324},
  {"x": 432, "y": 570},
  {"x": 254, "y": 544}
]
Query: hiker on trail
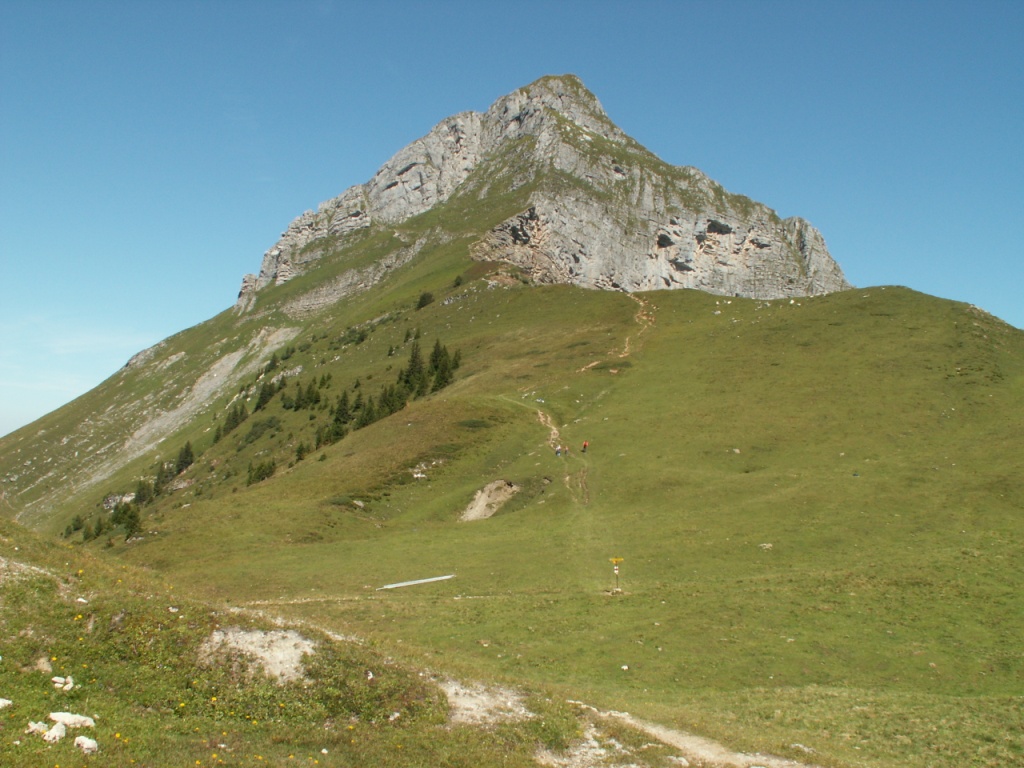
[
  {"x": 585, "y": 444},
  {"x": 558, "y": 450}
]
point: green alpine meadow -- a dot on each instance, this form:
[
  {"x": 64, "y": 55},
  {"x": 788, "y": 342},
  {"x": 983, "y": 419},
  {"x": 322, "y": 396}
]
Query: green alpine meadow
[{"x": 449, "y": 487}]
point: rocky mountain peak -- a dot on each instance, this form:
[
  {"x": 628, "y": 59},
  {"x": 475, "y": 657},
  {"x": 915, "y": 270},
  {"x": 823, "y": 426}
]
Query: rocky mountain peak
[
  {"x": 525, "y": 110},
  {"x": 618, "y": 217}
]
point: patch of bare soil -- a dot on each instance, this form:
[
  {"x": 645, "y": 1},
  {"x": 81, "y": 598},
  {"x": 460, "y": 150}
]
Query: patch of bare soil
[
  {"x": 476, "y": 704},
  {"x": 12, "y": 569},
  {"x": 593, "y": 750},
  {"x": 577, "y": 485},
  {"x": 489, "y": 500},
  {"x": 480, "y": 705},
  {"x": 278, "y": 651},
  {"x": 698, "y": 749},
  {"x": 554, "y": 438}
]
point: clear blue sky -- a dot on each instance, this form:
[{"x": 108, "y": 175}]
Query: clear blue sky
[{"x": 150, "y": 152}]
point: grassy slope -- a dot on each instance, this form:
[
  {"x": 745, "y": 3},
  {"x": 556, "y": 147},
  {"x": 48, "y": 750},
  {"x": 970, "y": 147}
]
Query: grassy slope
[
  {"x": 869, "y": 437},
  {"x": 133, "y": 646}
]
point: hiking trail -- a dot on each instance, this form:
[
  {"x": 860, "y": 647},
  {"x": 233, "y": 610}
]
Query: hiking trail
[
  {"x": 484, "y": 704},
  {"x": 644, "y": 317},
  {"x": 575, "y": 482}
]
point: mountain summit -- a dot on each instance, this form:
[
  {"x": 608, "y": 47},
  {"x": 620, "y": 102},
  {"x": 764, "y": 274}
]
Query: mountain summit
[{"x": 600, "y": 210}]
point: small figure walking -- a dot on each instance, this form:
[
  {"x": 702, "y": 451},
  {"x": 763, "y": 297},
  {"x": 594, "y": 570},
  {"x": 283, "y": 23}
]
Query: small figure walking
[
  {"x": 558, "y": 450},
  {"x": 585, "y": 444}
]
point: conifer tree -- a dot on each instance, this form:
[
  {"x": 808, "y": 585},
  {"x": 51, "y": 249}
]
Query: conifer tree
[
  {"x": 414, "y": 378},
  {"x": 131, "y": 521},
  {"x": 164, "y": 475},
  {"x": 342, "y": 412},
  {"x": 391, "y": 400},
  {"x": 300, "y": 397},
  {"x": 185, "y": 458},
  {"x": 235, "y": 416},
  {"x": 368, "y": 414},
  {"x": 266, "y": 393},
  {"x": 312, "y": 394},
  {"x": 440, "y": 367},
  {"x": 144, "y": 492},
  {"x": 437, "y": 354}
]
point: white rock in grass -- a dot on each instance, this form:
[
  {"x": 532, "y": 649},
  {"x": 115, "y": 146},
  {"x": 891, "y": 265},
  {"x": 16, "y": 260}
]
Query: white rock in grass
[
  {"x": 55, "y": 734},
  {"x": 36, "y": 728},
  {"x": 87, "y": 745},
  {"x": 63, "y": 683},
  {"x": 72, "y": 721},
  {"x": 4, "y": 703}
]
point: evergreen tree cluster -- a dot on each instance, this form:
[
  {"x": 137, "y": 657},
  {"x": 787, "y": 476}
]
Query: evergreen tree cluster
[
  {"x": 127, "y": 515},
  {"x": 236, "y": 415},
  {"x": 351, "y": 410},
  {"x": 351, "y": 336},
  {"x": 261, "y": 471},
  {"x": 186, "y": 457},
  {"x": 147, "y": 490},
  {"x": 302, "y": 397},
  {"x": 258, "y": 429},
  {"x": 266, "y": 394},
  {"x": 416, "y": 379},
  {"x": 305, "y": 397},
  {"x": 276, "y": 361}
]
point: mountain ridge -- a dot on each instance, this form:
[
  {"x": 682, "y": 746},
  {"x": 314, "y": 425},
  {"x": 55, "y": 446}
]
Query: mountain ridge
[{"x": 604, "y": 212}]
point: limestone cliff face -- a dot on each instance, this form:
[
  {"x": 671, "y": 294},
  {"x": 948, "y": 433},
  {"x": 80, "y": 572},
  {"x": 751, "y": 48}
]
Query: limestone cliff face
[
  {"x": 604, "y": 213},
  {"x": 714, "y": 251}
]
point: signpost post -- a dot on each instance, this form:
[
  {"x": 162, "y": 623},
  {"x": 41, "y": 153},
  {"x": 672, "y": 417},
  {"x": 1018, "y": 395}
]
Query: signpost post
[{"x": 615, "y": 567}]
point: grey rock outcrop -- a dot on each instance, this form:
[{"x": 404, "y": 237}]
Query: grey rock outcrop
[
  {"x": 582, "y": 244},
  {"x": 604, "y": 212}
]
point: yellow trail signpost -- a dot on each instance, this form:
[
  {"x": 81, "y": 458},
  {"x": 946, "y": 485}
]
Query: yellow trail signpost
[{"x": 615, "y": 567}]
